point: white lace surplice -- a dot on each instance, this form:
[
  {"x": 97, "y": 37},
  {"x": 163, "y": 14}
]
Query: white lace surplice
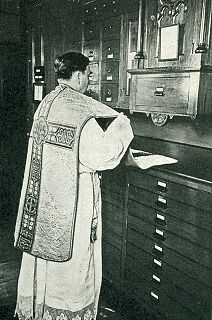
[{"x": 70, "y": 290}]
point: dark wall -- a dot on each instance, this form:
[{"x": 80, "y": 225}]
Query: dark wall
[{"x": 13, "y": 141}]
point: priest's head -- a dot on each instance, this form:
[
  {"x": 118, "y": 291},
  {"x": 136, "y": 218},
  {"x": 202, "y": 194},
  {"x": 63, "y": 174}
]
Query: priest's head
[{"x": 73, "y": 69}]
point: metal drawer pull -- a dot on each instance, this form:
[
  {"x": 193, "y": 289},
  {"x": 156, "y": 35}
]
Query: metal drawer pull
[
  {"x": 158, "y": 248},
  {"x": 154, "y": 277},
  {"x": 160, "y": 217},
  {"x": 162, "y": 202},
  {"x": 157, "y": 262},
  {"x": 110, "y": 56},
  {"x": 161, "y": 186},
  {"x": 158, "y": 251},
  {"x": 154, "y": 295},
  {"x": 159, "y": 91},
  {"x": 160, "y": 232}
]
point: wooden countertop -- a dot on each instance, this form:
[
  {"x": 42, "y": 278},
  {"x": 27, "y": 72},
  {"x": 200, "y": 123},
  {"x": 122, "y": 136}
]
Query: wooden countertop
[{"x": 194, "y": 163}]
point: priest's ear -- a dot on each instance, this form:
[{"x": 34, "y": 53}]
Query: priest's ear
[{"x": 79, "y": 77}]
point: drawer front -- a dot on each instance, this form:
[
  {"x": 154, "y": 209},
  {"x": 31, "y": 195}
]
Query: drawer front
[
  {"x": 117, "y": 199},
  {"x": 113, "y": 226},
  {"x": 190, "y": 214},
  {"x": 110, "y": 71},
  {"x": 194, "y": 197},
  {"x": 167, "y": 93},
  {"x": 161, "y": 269},
  {"x": 94, "y": 75},
  {"x": 111, "y": 28},
  {"x": 91, "y": 31},
  {"x": 91, "y": 11},
  {"x": 111, "y": 50},
  {"x": 158, "y": 282},
  {"x": 109, "y": 94},
  {"x": 163, "y": 221},
  {"x": 111, "y": 7},
  {"x": 158, "y": 303},
  {"x": 164, "y": 238},
  {"x": 110, "y": 237},
  {"x": 111, "y": 262},
  {"x": 93, "y": 91},
  {"x": 190, "y": 267},
  {"x": 111, "y": 212},
  {"x": 92, "y": 52}
]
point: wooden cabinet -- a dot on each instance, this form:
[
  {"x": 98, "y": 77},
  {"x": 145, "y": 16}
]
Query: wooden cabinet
[
  {"x": 175, "y": 69},
  {"x": 167, "y": 244},
  {"x": 101, "y": 43},
  {"x": 105, "y": 41},
  {"x": 114, "y": 187}
]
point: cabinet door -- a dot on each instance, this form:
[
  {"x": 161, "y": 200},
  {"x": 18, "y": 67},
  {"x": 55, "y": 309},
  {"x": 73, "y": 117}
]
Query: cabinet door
[
  {"x": 191, "y": 17},
  {"x": 109, "y": 94},
  {"x": 129, "y": 47}
]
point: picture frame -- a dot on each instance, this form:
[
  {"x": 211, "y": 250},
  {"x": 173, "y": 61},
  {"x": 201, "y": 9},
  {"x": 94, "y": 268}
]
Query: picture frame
[
  {"x": 38, "y": 91},
  {"x": 169, "y": 42}
]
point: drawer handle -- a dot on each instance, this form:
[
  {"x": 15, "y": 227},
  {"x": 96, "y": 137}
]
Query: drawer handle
[
  {"x": 160, "y": 219},
  {"x": 161, "y": 222},
  {"x": 154, "y": 295},
  {"x": 159, "y": 92},
  {"x": 157, "y": 263},
  {"x": 161, "y": 187},
  {"x": 159, "y": 234},
  {"x": 161, "y": 202},
  {"x": 158, "y": 251},
  {"x": 156, "y": 278}
]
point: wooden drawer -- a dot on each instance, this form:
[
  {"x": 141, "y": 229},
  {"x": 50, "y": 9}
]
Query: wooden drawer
[
  {"x": 94, "y": 75},
  {"x": 110, "y": 8},
  {"x": 111, "y": 28},
  {"x": 111, "y": 262},
  {"x": 114, "y": 198},
  {"x": 91, "y": 11},
  {"x": 164, "y": 238},
  {"x": 109, "y": 236},
  {"x": 109, "y": 94},
  {"x": 112, "y": 212},
  {"x": 164, "y": 221},
  {"x": 110, "y": 71},
  {"x": 159, "y": 282},
  {"x": 155, "y": 299},
  {"x": 115, "y": 180},
  {"x": 93, "y": 91},
  {"x": 91, "y": 51},
  {"x": 113, "y": 226},
  {"x": 160, "y": 268},
  {"x": 191, "y": 196},
  {"x": 190, "y": 267},
  {"x": 195, "y": 216},
  {"x": 168, "y": 93},
  {"x": 91, "y": 31},
  {"x": 110, "y": 50}
]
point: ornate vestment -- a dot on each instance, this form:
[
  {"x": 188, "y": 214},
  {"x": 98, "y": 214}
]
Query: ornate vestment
[
  {"x": 49, "y": 290},
  {"x": 46, "y": 216}
]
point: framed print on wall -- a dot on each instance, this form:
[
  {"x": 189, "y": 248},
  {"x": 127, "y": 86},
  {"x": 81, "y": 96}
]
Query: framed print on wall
[{"x": 169, "y": 42}]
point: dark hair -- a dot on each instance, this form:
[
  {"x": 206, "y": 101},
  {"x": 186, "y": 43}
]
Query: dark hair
[{"x": 69, "y": 62}]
